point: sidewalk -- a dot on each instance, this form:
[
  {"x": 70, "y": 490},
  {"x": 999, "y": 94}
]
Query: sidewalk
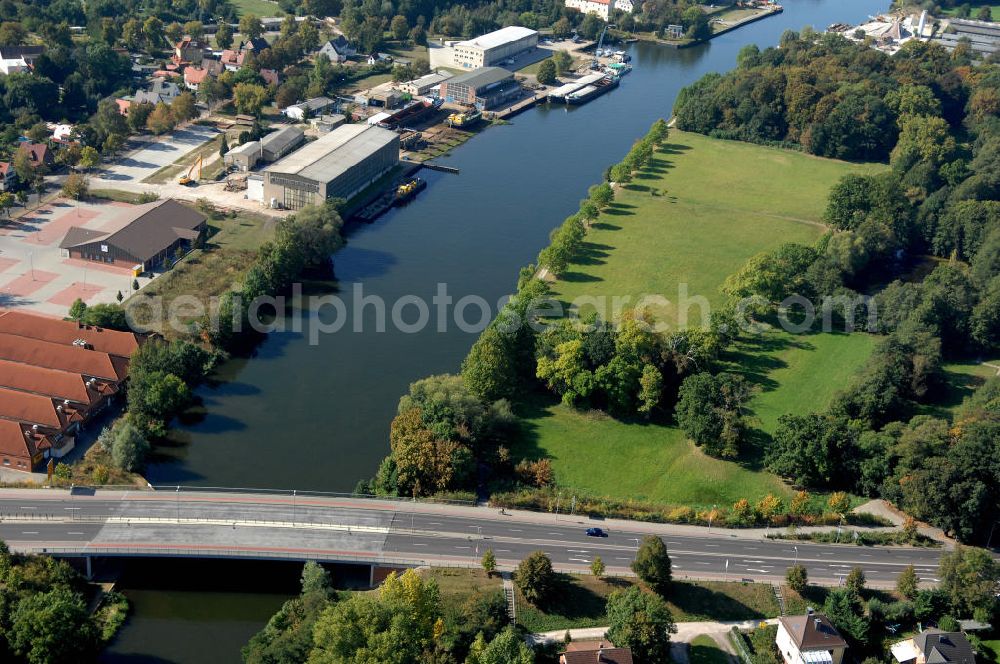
[{"x": 686, "y": 631}]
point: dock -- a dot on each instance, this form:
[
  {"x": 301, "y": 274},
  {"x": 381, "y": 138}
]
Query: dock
[{"x": 519, "y": 107}]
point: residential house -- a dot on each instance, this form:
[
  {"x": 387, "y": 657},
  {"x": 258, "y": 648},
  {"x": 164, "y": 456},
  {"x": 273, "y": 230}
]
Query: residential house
[
  {"x": 152, "y": 234},
  {"x": 189, "y": 51},
  {"x": 257, "y": 44},
  {"x": 160, "y": 90},
  {"x": 8, "y": 178},
  {"x": 15, "y": 59},
  {"x": 934, "y": 647},
  {"x": 338, "y": 49},
  {"x": 194, "y": 76},
  {"x": 232, "y": 60},
  {"x": 40, "y": 154},
  {"x": 271, "y": 77},
  {"x": 594, "y": 652},
  {"x": 308, "y": 108},
  {"x": 425, "y": 84},
  {"x": 601, "y": 8},
  {"x": 809, "y": 639}
]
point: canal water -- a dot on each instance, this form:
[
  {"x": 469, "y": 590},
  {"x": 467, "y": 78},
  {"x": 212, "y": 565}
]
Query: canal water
[{"x": 300, "y": 415}]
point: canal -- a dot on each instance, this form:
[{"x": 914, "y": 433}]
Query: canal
[{"x": 316, "y": 416}]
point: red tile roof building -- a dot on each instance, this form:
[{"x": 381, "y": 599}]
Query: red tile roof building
[{"x": 54, "y": 376}]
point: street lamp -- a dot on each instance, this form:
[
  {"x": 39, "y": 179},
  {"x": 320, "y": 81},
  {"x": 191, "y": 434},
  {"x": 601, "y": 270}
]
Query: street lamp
[
  {"x": 796, "y": 554},
  {"x": 293, "y": 506}
]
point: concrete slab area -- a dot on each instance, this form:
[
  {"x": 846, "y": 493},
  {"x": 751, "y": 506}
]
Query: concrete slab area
[{"x": 151, "y": 157}]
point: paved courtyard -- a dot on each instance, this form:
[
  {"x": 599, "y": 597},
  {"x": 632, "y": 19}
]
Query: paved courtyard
[
  {"x": 140, "y": 164},
  {"x": 35, "y": 276}
]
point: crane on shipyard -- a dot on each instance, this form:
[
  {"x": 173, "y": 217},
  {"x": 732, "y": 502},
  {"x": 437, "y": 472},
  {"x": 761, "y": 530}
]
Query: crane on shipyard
[{"x": 600, "y": 42}]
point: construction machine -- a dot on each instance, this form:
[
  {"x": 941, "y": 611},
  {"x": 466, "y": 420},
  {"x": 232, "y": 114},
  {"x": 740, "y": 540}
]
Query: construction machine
[{"x": 187, "y": 179}]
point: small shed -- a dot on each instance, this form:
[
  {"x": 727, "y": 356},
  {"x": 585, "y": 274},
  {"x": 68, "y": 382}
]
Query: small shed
[{"x": 243, "y": 157}]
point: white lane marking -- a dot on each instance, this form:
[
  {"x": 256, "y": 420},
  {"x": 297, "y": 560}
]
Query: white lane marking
[
  {"x": 715, "y": 546},
  {"x": 23, "y": 507},
  {"x": 74, "y": 532},
  {"x": 29, "y": 532},
  {"x": 753, "y": 561},
  {"x": 71, "y": 508},
  {"x": 579, "y": 560},
  {"x": 516, "y": 530},
  {"x": 419, "y": 544},
  {"x": 578, "y": 550},
  {"x": 620, "y": 558},
  {"x": 750, "y": 548},
  {"x": 556, "y": 534},
  {"x": 463, "y": 547},
  {"x": 699, "y": 563},
  {"x": 433, "y": 523},
  {"x": 865, "y": 555},
  {"x": 503, "y": 550},
  {"x": 760, "y": 571}
]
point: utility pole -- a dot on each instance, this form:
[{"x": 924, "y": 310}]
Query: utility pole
[
  {"x": 711, "y": 515},
  {"x": 796, "y": 554}
]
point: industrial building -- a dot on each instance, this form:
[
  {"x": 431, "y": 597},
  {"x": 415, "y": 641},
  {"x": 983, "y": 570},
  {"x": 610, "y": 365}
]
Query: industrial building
[
  {"x": 337, "y": 165},
  {"x": 486, "y": 87},
  {"x": 425, "y": 84},
  {"x": 243, "y": 157},
  {"x": 277, "y": 144},
  {"x": 309, "y": 108},
  {"x": 494, "y": 47}
]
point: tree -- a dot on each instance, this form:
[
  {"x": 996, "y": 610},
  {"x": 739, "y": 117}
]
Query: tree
[
  {"x": 640, "y": 621},
  {"x": 970, "y": 577},
  {"x": 160, "y": 119},
  {"x": 223, "y": 146},
  {"x": 75, "y": 186},
  {"x": 77, "y": 309},
  {"x": 224, "y": 35},
  {"x": 602, "y": 195},
  {"x": 89, "y": 157},
  {"x": 855, "y": 581},
  {"x": 506, "y": 648},
  {"x": 183, "y": 108},
  {"x": 546, "y": 72},
  {"x": 907, "y": 582},
  {"x": 194, "y": 29},
  {"x": 132, "y": 36},
  {"x": 839, "y": 502},
  {"x": 563, "y": 62},
  {"x": 128, "y": 446},
  {"x": 174, "y": 31},
  {"x": 399, "y": 27},
  {"x": 985, "y": 13},
  {"x": 535, "y": 579},
  {"x": 620, "y": 174},
  {"x": 652, "y": 564},
  {"x": 797, "y": 578},
  {"x": 710, "y": 412},
  {"x": 597, "y": 567},
  {"x": 250, "y": 26},
  {"x": 23, "y": 166},
  {"x": 316, "y": 579},
  {"x": 249, "y": 98},
  {"x": 846, "y": 611},
  {"x": 52, "y": 628},
  {"x": 152, "y": 30},
  {"x": 6, "y": 202},
  {"x": 489, "y": 562}
]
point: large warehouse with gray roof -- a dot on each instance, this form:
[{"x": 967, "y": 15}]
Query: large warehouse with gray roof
[{"x": 337, "y": 165}]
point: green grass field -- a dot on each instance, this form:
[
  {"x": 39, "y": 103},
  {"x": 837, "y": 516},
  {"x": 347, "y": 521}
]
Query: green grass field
[
  {"x": 582, "y": 599},
  {"x": 693, "y": 218},
  {"x": 975, "y": 8},
  {"x": 961, "y": 380},
  {"x": 259, "y": 8},
  {"x": 704, "y": 650}
]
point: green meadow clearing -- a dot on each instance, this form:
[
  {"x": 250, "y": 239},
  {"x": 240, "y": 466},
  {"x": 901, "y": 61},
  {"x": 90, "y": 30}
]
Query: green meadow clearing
[{"x": 701, "y": 209}]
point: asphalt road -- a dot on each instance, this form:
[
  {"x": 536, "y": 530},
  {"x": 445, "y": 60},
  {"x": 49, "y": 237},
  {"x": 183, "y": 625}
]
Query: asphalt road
[{"x": 122, "y": 523}]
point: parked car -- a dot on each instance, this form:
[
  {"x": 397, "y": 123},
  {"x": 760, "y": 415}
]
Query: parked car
[{"x": 596, "y": 532}]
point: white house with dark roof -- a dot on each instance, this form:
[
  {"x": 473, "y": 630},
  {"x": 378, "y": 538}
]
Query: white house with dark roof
[
  {"x": 934, "y": 647},
  {"x": 809, "y": 639},
  {"x": 337, "y": 49}
]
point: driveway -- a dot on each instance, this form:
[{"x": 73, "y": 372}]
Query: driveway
[{"x": 151, "y": 157}]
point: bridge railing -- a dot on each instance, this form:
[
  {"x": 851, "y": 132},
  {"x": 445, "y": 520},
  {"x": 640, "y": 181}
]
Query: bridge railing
[{"x": 165, "y": 488}]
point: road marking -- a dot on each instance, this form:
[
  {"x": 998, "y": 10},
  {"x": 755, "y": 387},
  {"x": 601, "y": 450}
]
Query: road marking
[
  {"x": 865, "y": 555},
  {"x": 699, "y": 563},
  {"x": 516, "y": 530},
  {"x": 74, "y": 532},
  {"x": 579, "y": 560},
  {"x": 750, "y": 548},
  {"x": 29, "y": 532},
  {"x": 463, "y": 547},
  {"x": 413, "y": 544},
  {"x": 556, "y": 534},
  {"x": 578, "y": 550},
  {"x": 716, "y": 546},
  {"x": 71, "y": 508},
  {"x": 760, "y": 571},
  {"x": 753, "y": 561},
  {"x": 620, "y": 558},
  {"x": 23, "y": 507},
  {"x": 503, "y": 550}
]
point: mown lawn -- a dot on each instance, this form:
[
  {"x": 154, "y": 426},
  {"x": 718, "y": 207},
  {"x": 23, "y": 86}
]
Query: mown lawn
[
  {"x": 693, "y": 218},
  {"x": 259, "y": 8},
  {"x": 458, "y": 585},
  {"x": 582, "y": 599},
  {"x": 975, "y": 8},
  {"x": 704, "y": 650}
]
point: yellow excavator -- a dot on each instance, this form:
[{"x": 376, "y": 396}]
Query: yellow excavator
[{"x": 187, "y": 179}]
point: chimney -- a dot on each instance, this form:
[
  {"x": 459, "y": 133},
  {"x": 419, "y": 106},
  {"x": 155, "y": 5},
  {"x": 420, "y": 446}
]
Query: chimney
[{"x": 809, "y": 610}]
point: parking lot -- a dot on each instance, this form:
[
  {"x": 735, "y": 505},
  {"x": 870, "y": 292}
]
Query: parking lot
[
  {"x": 140, "y": 164},
  {"x": 35, "y": 276}
]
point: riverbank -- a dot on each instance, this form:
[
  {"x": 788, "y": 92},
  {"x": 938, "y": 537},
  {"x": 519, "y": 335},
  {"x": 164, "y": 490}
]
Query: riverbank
[{"x": 720, "y": 26}]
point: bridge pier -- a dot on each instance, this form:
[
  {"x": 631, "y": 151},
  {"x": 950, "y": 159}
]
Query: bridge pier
[{"x": 90, "y": 572}]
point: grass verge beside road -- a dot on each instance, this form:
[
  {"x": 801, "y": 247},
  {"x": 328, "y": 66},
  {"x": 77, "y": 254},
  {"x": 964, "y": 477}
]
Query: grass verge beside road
[
  {"x": 704, "y": 650},
  {"x": 582, "y": 598}
]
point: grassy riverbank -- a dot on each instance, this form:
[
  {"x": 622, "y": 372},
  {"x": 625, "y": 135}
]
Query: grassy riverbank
[{"x": 690, "y": 219}]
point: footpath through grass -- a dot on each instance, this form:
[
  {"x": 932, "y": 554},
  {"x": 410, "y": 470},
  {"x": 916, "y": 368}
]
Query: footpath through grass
[
  {"x": 582, "y": 599},
  {"x": 693, "y": 217}
]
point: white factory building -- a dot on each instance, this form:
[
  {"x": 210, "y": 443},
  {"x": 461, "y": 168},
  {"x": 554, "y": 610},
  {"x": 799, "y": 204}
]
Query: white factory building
[
  {"x": 493, "y": 48},
  {"x": 601, "y": 8}
]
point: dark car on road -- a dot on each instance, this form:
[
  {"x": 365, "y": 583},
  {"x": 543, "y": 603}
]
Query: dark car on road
[{"x": 596, "y": 532}]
